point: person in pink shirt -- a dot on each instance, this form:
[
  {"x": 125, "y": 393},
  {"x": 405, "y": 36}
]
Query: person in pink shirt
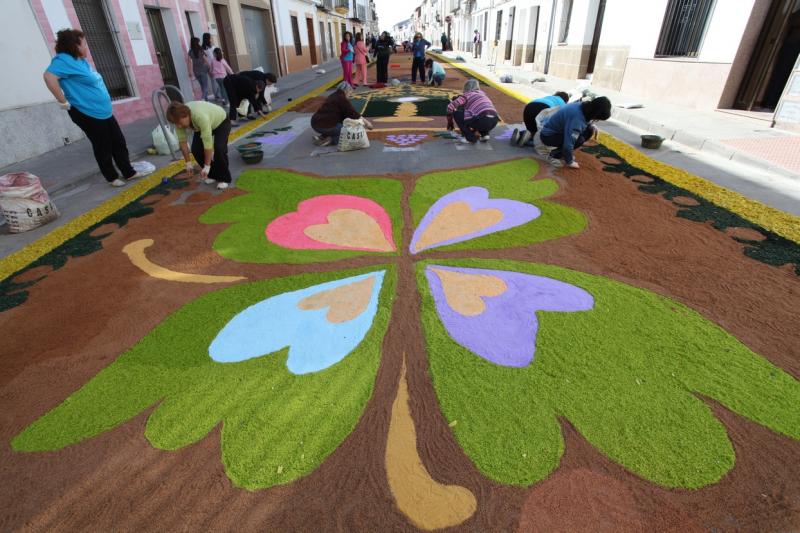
[
  {"x": 348, "y": 51},
  {"x": 361, "y": 59},
  {"x": 220, "y": 69}
]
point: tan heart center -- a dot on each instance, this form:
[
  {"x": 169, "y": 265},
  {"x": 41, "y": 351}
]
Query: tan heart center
[
  {"x": 465, "y": 292},
  {"x": 350, "y": 228},
  {"x": 343, "y": 303},
  {"x": 455, "y": 220}
]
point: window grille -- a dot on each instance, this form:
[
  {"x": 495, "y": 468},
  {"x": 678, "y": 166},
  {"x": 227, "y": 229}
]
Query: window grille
[
  {"x": 566, "y": 15},
  {"x": 298, "y": 45},
  {"x": 684, "y": 26},
  {"x": 103, "y": 45}
]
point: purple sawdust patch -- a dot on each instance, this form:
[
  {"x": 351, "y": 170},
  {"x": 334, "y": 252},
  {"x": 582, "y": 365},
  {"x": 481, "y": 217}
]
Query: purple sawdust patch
[
  {"x": 505, "y": 331},
  {"x": 506, "y": 135},
  {"x": 279, "y": 138},
  {"x": 407, "y": 139},
  {"x": 514, "y": 214}
]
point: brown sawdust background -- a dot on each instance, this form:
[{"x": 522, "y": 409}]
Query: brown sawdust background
[{"x": 78, "y": 320}]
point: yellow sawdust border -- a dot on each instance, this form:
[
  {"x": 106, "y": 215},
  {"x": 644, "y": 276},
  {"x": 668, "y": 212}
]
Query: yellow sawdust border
[
  {"x": 779, "y": 222},
  {"x": 20, "y": 259}
]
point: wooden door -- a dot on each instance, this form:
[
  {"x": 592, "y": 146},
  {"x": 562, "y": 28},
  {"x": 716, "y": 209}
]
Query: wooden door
[
  {"x": 312, "y": 41},
  {"x": 161, "y": 45}
]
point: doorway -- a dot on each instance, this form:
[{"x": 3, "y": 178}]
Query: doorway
[
  {"x": 322, "y": 41},
  {"x": 598, "y": 27},
  {"x": 533, "y": 34},
  {"x": 312, "y": 41},
  {"x": 257, "y": 34},
  {"x": 773, "y": 58},
  {"x": 225, "y": 34},
  {"x": 160, "y": 43},
  {"x": 510, "y": 32}
]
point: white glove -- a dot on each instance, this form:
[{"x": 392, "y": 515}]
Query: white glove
[
  {"x": 189, "y": 167},
  {"x": 574, "y": 164},
  {"x": 205, "y": 171},
  {"x": 64, "y": 105}
]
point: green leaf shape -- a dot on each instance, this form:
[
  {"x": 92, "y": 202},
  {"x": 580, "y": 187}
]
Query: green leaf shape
[
  {"x": 512, "y": 180},
  {"x": 273, "y": 193},
  {"x": 628, "y": 374},
  {"x": 276, "y": 426}
]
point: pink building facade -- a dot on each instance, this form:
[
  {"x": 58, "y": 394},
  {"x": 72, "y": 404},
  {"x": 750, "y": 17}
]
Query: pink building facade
[{"x": 136, "y": 46}]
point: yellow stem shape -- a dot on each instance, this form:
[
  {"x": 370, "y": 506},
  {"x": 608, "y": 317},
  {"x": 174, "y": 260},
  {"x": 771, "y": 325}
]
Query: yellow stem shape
[
  {"x": 135, "y": 252},
  {"x": 427, "y": 503}
]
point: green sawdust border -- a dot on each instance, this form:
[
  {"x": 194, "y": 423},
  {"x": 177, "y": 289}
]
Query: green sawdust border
[
  {"x": 779, "y": 222},
  {"x": 18, "y": 260}
]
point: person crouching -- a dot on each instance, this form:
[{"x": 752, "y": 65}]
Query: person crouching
[
  {"x": 329, "y": 118},
  {"x": 436, "y": 72},
  {"x": 473, "y": 112},
  {"x": 571, "y": 126},
  {"x": 210, "y": 141}
]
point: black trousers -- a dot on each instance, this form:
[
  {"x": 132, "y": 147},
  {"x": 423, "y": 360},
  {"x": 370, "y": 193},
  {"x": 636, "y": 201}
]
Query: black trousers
[
  {"x": 483, "y": 124},
  {"x": 418, "y": 64},
  {"x": 219, "y": 164},
  {"x": 383, "y": 68},
  {"x": 236, "y": 95},
  {"x": 557, "y": 140},
  {"x": 108, "y": 144},
  {"x": 530, "y": 113}
]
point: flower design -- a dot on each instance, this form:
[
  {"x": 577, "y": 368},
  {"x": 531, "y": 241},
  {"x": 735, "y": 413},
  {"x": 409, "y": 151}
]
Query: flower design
[{"x": 512, "y": 345}]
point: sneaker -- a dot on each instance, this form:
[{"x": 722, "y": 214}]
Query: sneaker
[
  {"x": 222, "y": 185},
  {"x": 515, "y": 137},
  {"x": 464, "y": 140},
  {"x": 209, "y": 181},
  {"x": 117, "y": 183},
  {"x": 318, "y": 139},
  {"x": 555, "y": 162},
  {"x": 525, "y": 138},
  {"x": 326, "y": 141},
  {"x": 485, "y": 138}
]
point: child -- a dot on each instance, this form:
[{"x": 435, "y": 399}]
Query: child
[
  {"x": 435, "y": 72},
  {"x": 571, "y": 126},
  {"x": 220, "y": 69}
]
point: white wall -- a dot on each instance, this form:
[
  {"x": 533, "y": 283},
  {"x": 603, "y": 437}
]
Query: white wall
[
  {"x": 725, "y": 31},
  {"x": 634, "y": 23},
  {"x": 25, "y": 57}
]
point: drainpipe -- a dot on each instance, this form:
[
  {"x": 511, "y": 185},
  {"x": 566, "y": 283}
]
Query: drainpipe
[
  {"x": 550, "y": 37},
  {"x": 276, "y": 32}
]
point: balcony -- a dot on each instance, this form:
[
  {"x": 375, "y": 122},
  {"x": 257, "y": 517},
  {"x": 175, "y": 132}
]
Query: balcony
[
  {"x": 342, "y": 7},
  {"x": 325, "y": 5}
]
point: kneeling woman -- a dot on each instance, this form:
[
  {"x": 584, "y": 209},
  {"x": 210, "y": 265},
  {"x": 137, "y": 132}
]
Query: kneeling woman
[
  {"x": 329, "y": 118},
  {"x": 210, "y": 141},
  {"x": 473, "y": 112},
  {"x": 571, "y": 126}
]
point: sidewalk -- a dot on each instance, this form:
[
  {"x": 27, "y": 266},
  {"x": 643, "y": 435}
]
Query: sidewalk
[
  {"x": 737, "y": 152},
  {"x": 724, "y": 133},
  {"x": 74, "y": 182},
  {"x": 72, "y": 165}
]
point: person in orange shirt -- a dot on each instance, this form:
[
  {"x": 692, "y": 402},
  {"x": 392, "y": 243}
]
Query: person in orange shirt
[{"x": 361, "y": 60}]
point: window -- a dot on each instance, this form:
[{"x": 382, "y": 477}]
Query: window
[
  {"x": 499, "y": 25},
  {"x": 684, "y": 27},
  {"x": 298, "y": 45},
  {"x": 566, "y": 14},
  {"x": 189, "y": 23},
  {"x": 104, "y": 47}
]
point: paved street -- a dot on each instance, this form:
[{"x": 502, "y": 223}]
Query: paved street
[{"x": 418, "y": 335}]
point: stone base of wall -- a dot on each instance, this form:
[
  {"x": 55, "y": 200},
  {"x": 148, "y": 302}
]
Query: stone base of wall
[
  {"x": 687, "y": 83},
  {"x": 609, "y": 67},
  {"x": 34, "y": 130},
  {"x": 569, "y": 61}
]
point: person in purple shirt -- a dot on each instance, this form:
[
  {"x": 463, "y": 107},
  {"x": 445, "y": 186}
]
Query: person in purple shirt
[
  {"x": 81, "y": 92},
  {"x": 473, "y": 112}
]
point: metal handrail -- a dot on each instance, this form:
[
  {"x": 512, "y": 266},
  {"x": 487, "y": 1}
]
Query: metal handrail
[{"x": 168, "y": 94}]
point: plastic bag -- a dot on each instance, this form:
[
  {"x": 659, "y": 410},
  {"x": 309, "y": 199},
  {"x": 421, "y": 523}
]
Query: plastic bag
[
  {"x": 24, "y": 202},
  {"x": 353, "y": 135},
  {"x": 161, "y": 144},
  {"x": 243, "y": 108}
]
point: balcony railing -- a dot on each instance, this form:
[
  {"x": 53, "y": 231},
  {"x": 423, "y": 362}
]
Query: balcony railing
[{"x": 342, "y": 6}]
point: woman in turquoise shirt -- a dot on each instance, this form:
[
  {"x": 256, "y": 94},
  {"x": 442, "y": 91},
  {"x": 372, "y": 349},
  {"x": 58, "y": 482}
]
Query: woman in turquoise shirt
[{"x": 81, "y": 92}]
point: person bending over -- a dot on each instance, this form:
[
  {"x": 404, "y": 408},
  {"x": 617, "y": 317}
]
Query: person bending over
[
  {"x": 264, "y": 99},
  {"x": 329, "y": 118},
  {"x": 571, "y": 126},
  {"x": 473, "y": 112},
  {"x": 209, "y": 142},
  {"x": 532, "y": 110},
  {"x": 240, "y": 87},
  {"x": 435, "y": 72}
]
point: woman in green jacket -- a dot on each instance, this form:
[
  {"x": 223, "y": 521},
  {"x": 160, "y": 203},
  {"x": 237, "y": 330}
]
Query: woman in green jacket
[{"x": 210, "y": 141}]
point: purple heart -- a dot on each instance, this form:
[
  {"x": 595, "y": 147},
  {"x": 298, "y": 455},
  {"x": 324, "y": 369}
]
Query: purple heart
[
  {"x": 514, "y": 214},
  {"x": 505, "y": 331}
]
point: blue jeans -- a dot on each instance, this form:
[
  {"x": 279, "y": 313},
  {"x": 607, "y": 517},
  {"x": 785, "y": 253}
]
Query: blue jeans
[
  {"x": 333, "y": 132},
  {"x": 202, "y": 79}
]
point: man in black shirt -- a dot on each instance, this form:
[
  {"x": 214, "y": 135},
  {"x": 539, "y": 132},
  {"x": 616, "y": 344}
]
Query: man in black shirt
[{"x": 268, "y": 78}]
